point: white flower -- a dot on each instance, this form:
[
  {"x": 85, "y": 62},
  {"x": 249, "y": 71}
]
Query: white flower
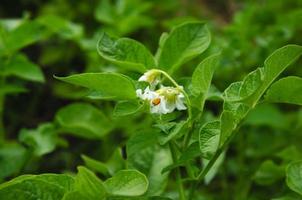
[
  {"x": 164, "y": 100},
  {"x": 151, "y": 76}
]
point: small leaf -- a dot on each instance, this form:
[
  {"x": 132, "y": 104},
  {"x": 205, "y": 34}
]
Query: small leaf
[
  {"x": 42, "y": 140},
  {"x": 239, "y": 91},
  {"x": 110, "y": 167},
  {"x": 182, "y": 44},
  {"x": 124, "y": 108},
  {"x": 268, "y": 173},
  {"x": 89, "y": 185},
  {"x": 110, "y": 85},
  {"x": 126, "y": 53},
  {"x": 13, "y": 156},
  {"x": 83, "y": 120},
  {"x": 209, "y": 136},
  {"x": 127, "y": 183},
  {"x": 294, "y": 176},
  {"x": 286, "y": 90},
  {"x": 21, "y": 67},
  {"x": 202, "y": 75}
]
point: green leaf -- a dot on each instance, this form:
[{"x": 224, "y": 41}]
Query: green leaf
[
  {"x": 33, "y": 187},
  {"x": 124, "y": 108},
  {"x": 232, "y": 114},
  {"x": 209, "y": 135},
  {"x": 110, "y": 167},
  {"x": 145, "y": 155},
  {"x": 202, "y": 75},
  {"x": 286, "y": 90},
  {"x": 268, "y": 173},
  {"x": 26, "y": 34},
  {"x": 21, "y": 67},
  {"x": 279, "y": 60},
  {"x": 127, "y": 183},
  {"x": 11, "y": 89},
  {"x": 241, "y": 90},
  {"x": 89, "y": 185},
  {"x": 126, "y": 53},
  {"x": 95, "y": 165},
  {"x": 182, "y": 44},
  {"x": 83, "y": 120},
  {"x": 61, "y": 26},
  {"x": 12, "y": 159},
  {"x": 275, "y": 64},
  {"x": 294, "y": 176},
  {"x": 110, "y": 85},
  {"x": 42, "y": 140}
]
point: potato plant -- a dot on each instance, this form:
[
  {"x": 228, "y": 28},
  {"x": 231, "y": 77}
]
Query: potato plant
[{"x": 175, "y": 119}]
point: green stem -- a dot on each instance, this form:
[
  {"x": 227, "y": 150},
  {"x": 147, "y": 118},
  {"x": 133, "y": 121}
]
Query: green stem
[
  {"x": 205, "y": 171},
  {"x": 181, "y": 191}
]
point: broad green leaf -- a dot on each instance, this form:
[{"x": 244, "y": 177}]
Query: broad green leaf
[
  {"x": 127, "y": 183},
  {"x": 202, "y": 75},
  {"x": 74, "y": 195},
  {"x": 21, "y": 67},
  {"x": 126, "y": 53},
  {"x": 268, "y": 173},
  {"x": 42, "y": 140},
  {"x": 83, "y": 120},
  {"x": 209, "y": 135},
  {"x": 183, "y": 43},
  {"x": 110, "y": 85},
  {"x": 124, "y": 108},
  {"x": 145, "y": 155},
  {"x": 26, "y": 34},
  {"x": 286, "y": 90},
  {"x": 89, "y": 185},
  {"x": 12, "y": 159},
  {"x": 61, "y": 26},
  {"x": 33, "y": 187},
  {"x": 294, "y": 176}
]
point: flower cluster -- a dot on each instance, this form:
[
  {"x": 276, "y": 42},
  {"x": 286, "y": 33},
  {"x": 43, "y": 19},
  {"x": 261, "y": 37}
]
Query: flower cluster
[{"x": 163, "y": 100}]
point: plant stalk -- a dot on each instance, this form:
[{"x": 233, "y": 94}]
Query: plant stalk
[{"x": 181, "y": 191}]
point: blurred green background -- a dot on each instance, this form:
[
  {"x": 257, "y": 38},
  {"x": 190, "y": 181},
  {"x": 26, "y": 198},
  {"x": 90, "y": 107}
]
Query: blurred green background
[{"x": 58, "y": 37}]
